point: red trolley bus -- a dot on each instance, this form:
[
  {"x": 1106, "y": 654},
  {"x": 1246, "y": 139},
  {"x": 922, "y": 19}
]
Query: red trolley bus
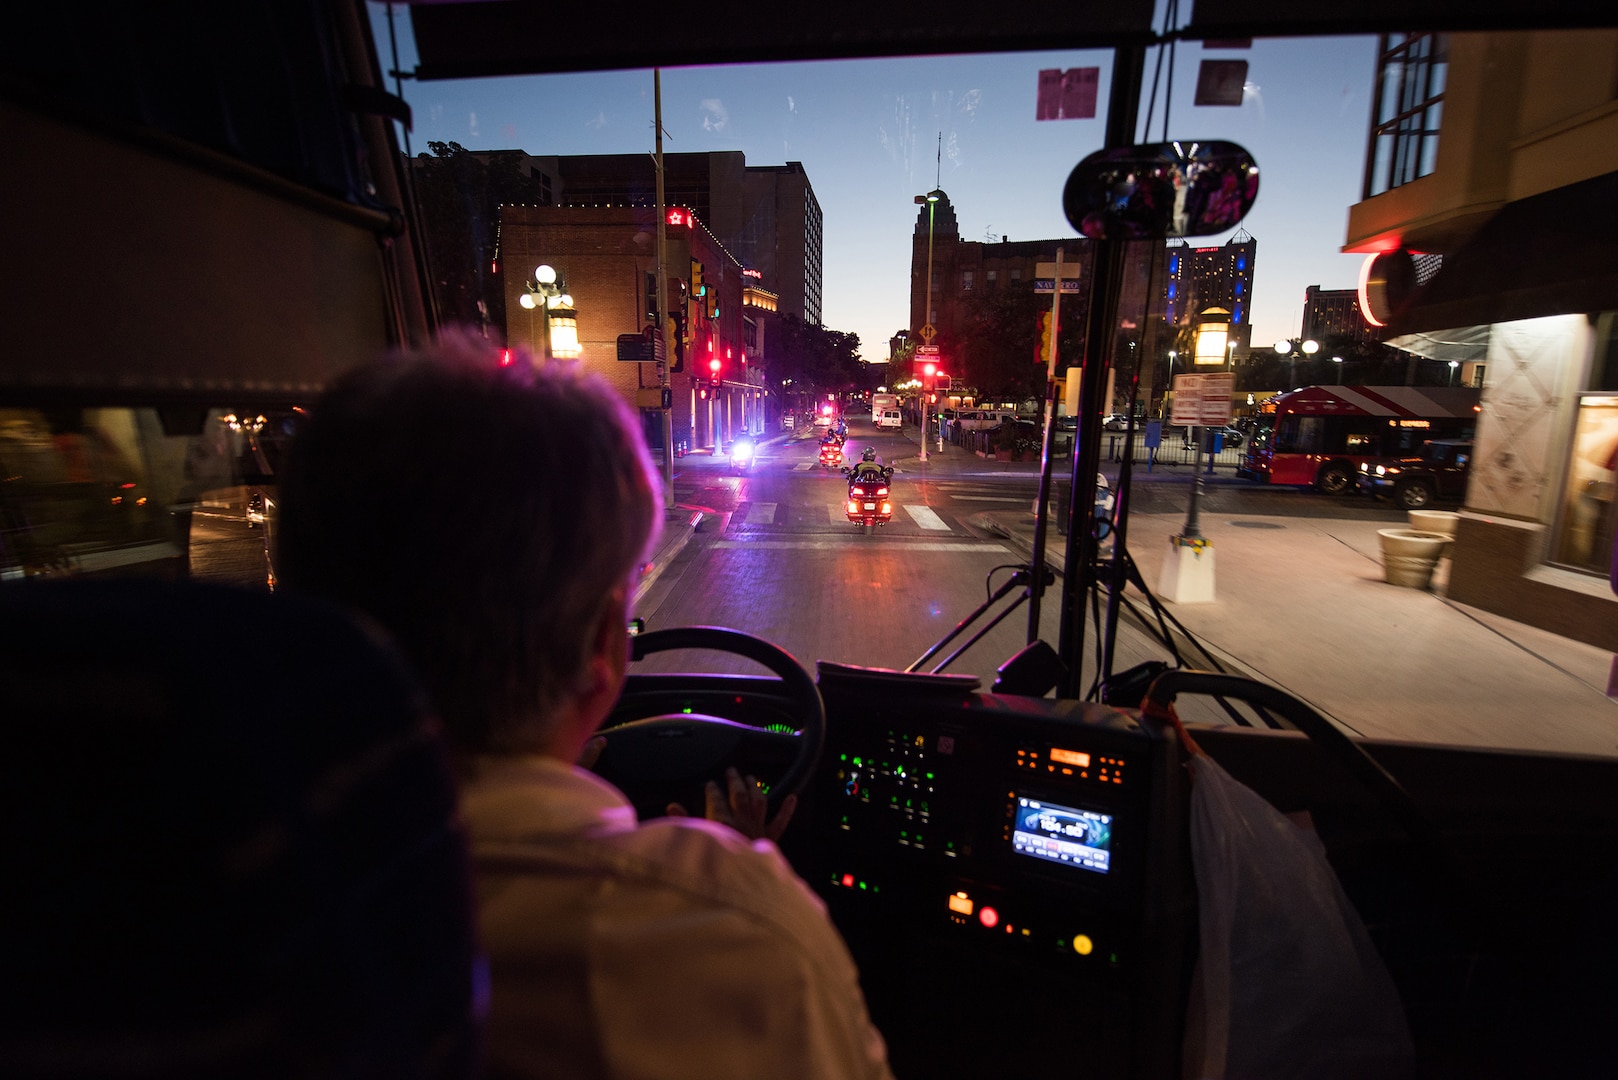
[{"x": 1320, "y": 434}]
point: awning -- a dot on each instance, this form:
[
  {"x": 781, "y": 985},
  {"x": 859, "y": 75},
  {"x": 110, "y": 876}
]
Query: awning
[
  {"x": 1463, "y": 343},
  {"x": 1555, "y": 253}
]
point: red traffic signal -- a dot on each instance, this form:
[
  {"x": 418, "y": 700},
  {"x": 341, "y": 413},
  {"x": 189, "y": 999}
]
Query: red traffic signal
[
  {"x": 714, "y": 368},
  {"x": 929, "y": 369}
]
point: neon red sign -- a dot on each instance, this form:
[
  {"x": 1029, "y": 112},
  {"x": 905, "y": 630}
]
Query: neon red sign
[{"x": 679, "y": 215}]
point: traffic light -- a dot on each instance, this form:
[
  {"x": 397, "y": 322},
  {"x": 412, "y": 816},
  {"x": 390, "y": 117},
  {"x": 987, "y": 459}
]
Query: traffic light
[
  {"x": 678, "y": 319},
  {"x": 715, "y": 371},
  {"x": 1042, "y": 351},
  {"x": 712, "y": 302},
  {"x": 698, "y": 286},
  {"x": 928, "y": 370}
]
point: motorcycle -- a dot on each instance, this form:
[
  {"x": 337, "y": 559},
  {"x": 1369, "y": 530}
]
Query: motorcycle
[
  {"x": 743, "y": 455},
  {"x": 831, "y": 454},
  {"x": 868, "y": 499}
]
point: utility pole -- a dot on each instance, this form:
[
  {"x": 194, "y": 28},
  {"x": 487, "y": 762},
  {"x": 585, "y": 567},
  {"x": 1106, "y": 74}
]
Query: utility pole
[{"x": 663, "y": 298}]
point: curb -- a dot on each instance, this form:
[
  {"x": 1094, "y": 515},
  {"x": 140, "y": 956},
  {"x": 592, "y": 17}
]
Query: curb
[{"x": 683, "y": 524}]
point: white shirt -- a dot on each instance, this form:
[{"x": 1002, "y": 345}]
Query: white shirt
[{"x": 670, "y": 949}]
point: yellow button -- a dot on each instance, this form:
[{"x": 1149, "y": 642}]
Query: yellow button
[{"x": 1082, "y": 945}]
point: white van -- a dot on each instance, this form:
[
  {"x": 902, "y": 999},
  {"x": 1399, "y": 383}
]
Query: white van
[
  {"x": 983, "y": 419},
  {"x": 890, "y": 418}
]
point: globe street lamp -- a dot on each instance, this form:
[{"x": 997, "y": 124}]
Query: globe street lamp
[
  {"x": 1453, "y": 364},
  {"x": 547, "y": 293}
]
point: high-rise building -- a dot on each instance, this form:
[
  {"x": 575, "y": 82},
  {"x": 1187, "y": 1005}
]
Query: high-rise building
[{"x": 1335, "y": 314}]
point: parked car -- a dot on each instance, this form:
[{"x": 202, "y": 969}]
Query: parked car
[
  {"x": 1413, "y": 482},
  {"x": 890, "y": 418},
  {"x": 983, "y": 419},
  {"x": 1117, "y": 422}
]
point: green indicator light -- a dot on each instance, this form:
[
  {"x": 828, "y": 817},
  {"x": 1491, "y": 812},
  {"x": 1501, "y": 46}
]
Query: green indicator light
[
  {"x": 862, "y": 885},
  {"x": 929, "y": 776},
  {"x": 857, "y": 761},
  {"x": 686, "y": 710},
  {"x": 842, "y": 757}
]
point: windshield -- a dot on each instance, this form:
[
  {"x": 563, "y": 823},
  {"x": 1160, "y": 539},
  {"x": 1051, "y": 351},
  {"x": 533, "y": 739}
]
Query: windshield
[{"x": 885, "y": 253}]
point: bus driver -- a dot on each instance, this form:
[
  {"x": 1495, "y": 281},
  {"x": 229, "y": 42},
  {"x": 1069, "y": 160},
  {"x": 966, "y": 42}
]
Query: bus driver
[{"x": 445, "y": 496}]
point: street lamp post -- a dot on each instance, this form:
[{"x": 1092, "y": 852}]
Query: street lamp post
[
  {"x": 547, "y": 293},
  {"x": 1453, "y": 364},
  {"x": 1188, "y": 573},
  {"x": 927, "y": 328}
]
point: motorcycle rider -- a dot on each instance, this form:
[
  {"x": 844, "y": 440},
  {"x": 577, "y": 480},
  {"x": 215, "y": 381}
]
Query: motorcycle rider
[{"x": 868, "y": 468}]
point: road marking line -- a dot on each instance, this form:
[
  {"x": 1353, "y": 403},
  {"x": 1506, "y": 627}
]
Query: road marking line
[
  {"x": 969, "y": 546},
  {"x": 986, "y": 498},
  {"x": 926, "y": 517}
]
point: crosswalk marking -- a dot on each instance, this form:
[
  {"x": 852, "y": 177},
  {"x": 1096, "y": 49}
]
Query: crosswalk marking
[{"x": 926, "y": 517}]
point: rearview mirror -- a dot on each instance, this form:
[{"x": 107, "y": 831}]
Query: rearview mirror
[{"x": 1159, "y": 190}]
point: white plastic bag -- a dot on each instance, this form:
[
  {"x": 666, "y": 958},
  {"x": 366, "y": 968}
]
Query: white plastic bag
[{"x": 1288, "y": 983}]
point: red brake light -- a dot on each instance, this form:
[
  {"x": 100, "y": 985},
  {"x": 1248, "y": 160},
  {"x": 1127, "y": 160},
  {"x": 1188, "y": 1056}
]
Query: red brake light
[
  {"x": 856, "y": 491},
  {"x": 881, "y": 491}
]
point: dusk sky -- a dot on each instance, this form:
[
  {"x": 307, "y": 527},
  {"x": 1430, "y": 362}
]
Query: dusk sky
[{"x": 867, "y": 133}]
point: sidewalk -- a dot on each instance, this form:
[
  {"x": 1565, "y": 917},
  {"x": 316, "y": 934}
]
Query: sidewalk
[{"x": 1301, "y": 603}]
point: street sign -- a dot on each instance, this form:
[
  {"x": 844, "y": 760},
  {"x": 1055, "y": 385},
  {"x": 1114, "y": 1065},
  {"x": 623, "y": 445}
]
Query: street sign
[
  {"x": 926, "y": 350},
  {"x": 636, "y": 348},
  {"x": 1202, "y": 400},
  {"x": 928, "y": 332},
  {"x": 1048, "y": 285},
  {"x": 1214, "y": 409}
]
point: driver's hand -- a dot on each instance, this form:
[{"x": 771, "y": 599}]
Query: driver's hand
[{"x": 742, "y": 805}]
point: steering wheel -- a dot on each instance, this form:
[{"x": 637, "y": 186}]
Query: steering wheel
[{"x": 670, "y": 734}]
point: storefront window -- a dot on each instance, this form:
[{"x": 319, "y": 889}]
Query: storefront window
[{"x": 1586, "y": 533}]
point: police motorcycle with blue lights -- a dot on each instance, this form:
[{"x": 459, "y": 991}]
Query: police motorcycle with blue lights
[{"x": 743, "y": 454}]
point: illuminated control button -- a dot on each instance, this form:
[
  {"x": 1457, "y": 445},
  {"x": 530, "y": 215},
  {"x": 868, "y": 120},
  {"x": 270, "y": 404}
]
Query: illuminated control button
[
  {"x": 1083, "y": 945},
  {"x": 960, "y": 903},
  {"x": 848, "y": 881},
  {"x": 988, "y": 916}
]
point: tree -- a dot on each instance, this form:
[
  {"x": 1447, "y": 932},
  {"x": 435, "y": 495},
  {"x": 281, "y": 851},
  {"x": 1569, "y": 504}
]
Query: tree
[
  {"x": 996, "y": 350},
  {"x": 815, "y": 359},
  {"x": 459, "y": 194}
]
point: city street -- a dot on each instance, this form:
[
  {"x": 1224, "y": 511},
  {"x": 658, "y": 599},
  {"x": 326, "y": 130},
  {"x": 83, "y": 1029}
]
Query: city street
[
  {"x": 1301, "y": 601},
  {"x": 772, "y": 543}
]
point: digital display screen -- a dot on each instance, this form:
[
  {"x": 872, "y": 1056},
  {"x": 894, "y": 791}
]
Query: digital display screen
[
  {"x": 1062, "y": 834},
  {"x": 1070, "y": 757}
]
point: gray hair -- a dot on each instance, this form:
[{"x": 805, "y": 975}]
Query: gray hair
[{"x": 483, "y": 514}]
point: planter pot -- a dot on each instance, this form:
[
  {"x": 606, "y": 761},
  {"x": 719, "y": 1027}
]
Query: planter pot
[
  {"x": 1438, "y": 521},
  {"x": 1409, "y": 556}
]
